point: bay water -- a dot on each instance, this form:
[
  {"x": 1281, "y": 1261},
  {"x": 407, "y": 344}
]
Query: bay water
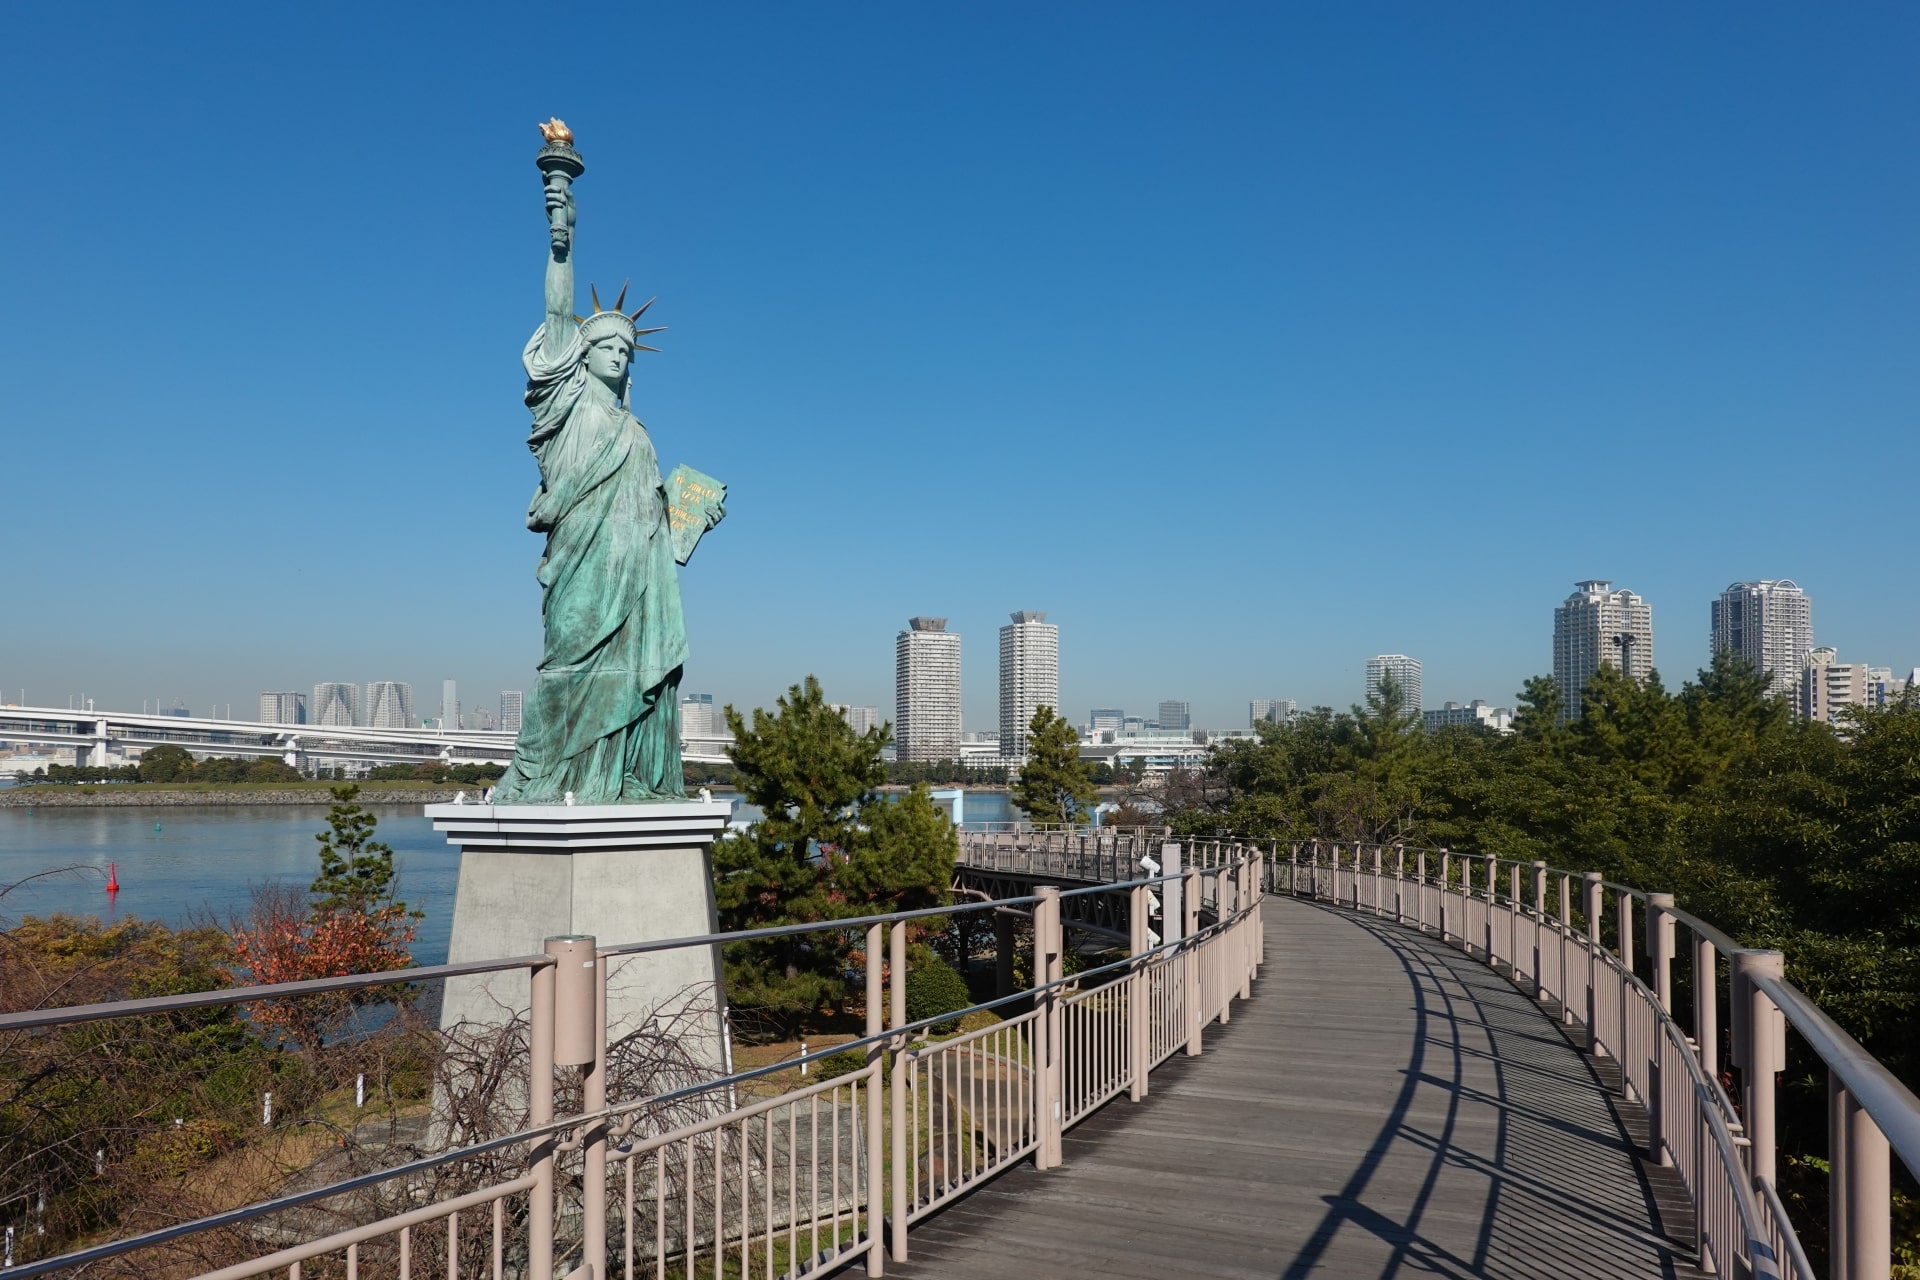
[{"x": 198, "y": 863}]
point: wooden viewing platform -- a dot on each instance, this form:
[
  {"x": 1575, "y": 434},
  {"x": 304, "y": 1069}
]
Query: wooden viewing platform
[{"x": 1384, "y": 1106}]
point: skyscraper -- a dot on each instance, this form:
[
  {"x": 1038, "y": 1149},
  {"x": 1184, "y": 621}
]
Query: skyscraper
[
  {"x": 283, "y": 708},
  {"x": 510, "y": 704},
  {"x": 335, "y": 703},
  {"x": 926, "y": 691},
  {"x": 699, "y": 718},
  {"x": 1597, "y": 624},
  {"x": 1770, "y": 624},
  {"x": 390, "y": 705},
  {"x": 1405, "y": 672},
  {"x": 449, "y": 705},
  {"x": 1029, "y": 677},
  {"x": 1272, "y": 710},
  {"x": 1175, "y": 715},
  {"x": 862, "y": 719}
]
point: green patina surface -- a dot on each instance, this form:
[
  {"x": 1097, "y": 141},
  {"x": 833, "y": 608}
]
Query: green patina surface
[{"x": 602, "y": 721}]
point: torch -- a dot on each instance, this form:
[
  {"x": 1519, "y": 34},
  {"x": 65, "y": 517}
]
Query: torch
[{"x": 561, "y": 164}]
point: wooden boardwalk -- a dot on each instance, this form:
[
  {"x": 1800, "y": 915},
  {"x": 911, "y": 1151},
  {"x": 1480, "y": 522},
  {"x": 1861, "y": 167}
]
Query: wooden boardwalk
[{"x": 1383, "y": 1107}]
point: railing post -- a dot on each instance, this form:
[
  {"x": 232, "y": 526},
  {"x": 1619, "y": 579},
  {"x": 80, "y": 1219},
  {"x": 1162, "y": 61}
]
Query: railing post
[
  {"x": 1190, "y": 958},
  {"x": 1596, "y": 898},
  {"x": 539, "y": 1112},
  {"x": 1139, "y": 980},
  {"x": 1420, "y": 890},
  {"x": 898, "y": 1090},
  {"x": 1539, "y": 923},
  {"x": 1860, "y": 1190},
  {"x": 1049, "y": 964},
  {"x": 1623, "y": 907},
  {"x": 1446, "y": 869},
  {"x": 1248, "y": 899},
  {"x": 1376, "y": 880},
  {"x": 1399, "y": 883},
  {"x": 1493, "y": 892},
  {"x": 876, "y": 1122},
  {"x": 1565, "y": 942},
  {"x": 1173, "y": 892},
  {"x": 1513, "y": 922},
  {"x": 593, "y": 1082},
  {"x": 1224, "y": 904},
  {"x": 1293, "y": 868},
  {"x": 1759, "y": 1051},
  {"x": 1706, "y": 1006},
  {"x": 1660, "y": 947}
]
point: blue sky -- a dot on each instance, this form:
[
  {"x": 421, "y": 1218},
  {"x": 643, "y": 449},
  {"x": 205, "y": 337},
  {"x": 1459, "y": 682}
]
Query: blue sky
[{"x": 1247, "y": 341}]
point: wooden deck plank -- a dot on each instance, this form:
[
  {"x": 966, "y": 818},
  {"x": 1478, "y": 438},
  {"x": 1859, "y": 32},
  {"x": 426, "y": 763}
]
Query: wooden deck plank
[{"x": 1384, "y": 1106}]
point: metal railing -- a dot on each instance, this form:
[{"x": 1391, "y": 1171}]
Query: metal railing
[
  {"x": 1547, "y": 927},
  {"x": 794, "y": 1184}
]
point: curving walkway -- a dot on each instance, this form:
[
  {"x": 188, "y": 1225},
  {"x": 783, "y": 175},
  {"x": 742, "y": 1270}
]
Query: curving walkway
[{"x": 1383, "y": 1107}]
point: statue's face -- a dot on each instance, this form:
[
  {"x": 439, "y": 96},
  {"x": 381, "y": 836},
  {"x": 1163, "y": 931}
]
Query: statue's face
[{"x": 607, "y": 360}]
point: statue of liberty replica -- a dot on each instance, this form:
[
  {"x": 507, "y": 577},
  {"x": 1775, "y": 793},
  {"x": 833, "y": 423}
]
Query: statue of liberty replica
[
  {"x": 602, "y": 722},
  {"x": 590, "y": 832}
]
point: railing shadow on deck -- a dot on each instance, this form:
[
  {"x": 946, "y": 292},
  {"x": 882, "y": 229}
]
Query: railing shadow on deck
[{"x": 1525, "y": 1200}]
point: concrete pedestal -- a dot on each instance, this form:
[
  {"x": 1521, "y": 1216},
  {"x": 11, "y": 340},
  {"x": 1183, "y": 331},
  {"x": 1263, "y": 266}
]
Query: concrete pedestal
[{"x": 622, "y": 873}]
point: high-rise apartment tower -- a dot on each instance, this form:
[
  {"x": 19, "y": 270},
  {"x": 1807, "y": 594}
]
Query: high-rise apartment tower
[
  {"x": 511, "y": 701},
  {"x": 926, "y": 691},
  {"x": 1029, "y": 677},
  {"x": 334, "y": 703},
  {"x": 390, "y": 705},
  {"x": 449, "y": 705},
  {"x": 283, "y": 708},
  {"x": 1770, "y": 624},
  {"x": 1405, "y": 672},
  {"x": 1594, "y": 625}
]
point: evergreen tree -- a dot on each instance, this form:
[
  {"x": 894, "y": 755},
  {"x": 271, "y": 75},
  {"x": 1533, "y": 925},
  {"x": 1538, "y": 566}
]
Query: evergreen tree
[
  {"x": 356, "y": 871},
  {"x": 828, "y": 846},
  {"x": 1054, "y": 786}
]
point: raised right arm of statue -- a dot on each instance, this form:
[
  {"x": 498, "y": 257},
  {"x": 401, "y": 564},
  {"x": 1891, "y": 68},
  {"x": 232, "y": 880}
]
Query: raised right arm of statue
[{"x": 559, "y": 327}]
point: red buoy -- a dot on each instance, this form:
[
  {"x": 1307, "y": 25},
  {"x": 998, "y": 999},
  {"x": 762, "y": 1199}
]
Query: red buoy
[{"x": 113, "y": 880}]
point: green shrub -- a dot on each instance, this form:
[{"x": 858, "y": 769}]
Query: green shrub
[
  {"x": 843, "y": 1063},
  {"x": 935, "y": 987}
]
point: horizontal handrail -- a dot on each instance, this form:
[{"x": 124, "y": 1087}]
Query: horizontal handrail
[
  {"x": 66, "y": 1015},
  {"x": 1235, "y": 866},
  {"x": 1892, "y": 1105}
]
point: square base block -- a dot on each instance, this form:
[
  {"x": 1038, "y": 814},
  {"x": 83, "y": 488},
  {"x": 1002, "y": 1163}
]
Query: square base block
[{"x": 622, "y": 873}]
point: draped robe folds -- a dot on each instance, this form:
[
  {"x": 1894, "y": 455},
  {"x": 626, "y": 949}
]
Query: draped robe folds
[{"x": 603, "y": 718}]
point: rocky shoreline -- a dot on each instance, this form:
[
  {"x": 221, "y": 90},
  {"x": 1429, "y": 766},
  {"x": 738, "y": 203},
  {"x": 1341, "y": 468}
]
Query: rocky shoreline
[{"x": 111, "y": 796}]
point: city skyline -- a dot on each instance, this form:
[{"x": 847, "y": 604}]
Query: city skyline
[
  {"x": 1647, "y": 238},
  {"x": 1787, "y": 627}
]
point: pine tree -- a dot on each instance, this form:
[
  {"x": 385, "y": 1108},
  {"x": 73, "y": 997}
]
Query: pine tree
[
  {"x": 827, "y": 846},
  {"x": 1054, "y": 786}
]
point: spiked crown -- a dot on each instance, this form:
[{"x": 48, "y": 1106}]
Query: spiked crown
[{"x": 604, "y": 323}]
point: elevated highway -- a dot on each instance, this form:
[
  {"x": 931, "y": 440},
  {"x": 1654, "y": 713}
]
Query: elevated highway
[{"x": 119, "y": 737}]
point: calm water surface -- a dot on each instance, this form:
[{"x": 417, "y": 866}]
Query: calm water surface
[{"x": 178, "y": 865}]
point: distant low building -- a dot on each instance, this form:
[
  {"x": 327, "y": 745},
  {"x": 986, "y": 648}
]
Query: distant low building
[
  {"x": 1271, "y": 710},
  {"x": 1105, "y": 719},
  {"x": 1478, "y": 712},
  {"x": 1827, "y": 687}
]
